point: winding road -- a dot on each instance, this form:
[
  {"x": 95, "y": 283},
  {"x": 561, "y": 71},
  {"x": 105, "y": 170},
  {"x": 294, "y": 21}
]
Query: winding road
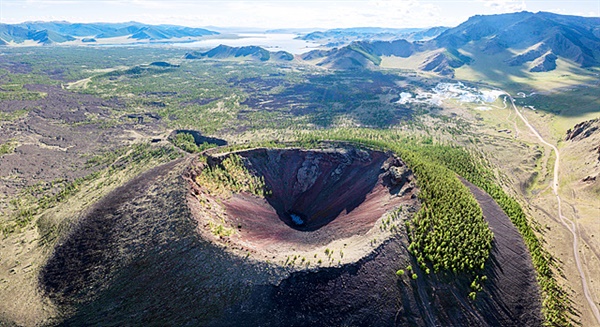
[{"x": 567, "y": 223}]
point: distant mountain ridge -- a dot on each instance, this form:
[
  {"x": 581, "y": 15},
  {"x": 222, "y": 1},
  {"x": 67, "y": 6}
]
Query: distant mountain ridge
[
  {"x": 534, "y": 41},
  {"x": 346, "y": 35},
  {"x": 47, "y": 33}
]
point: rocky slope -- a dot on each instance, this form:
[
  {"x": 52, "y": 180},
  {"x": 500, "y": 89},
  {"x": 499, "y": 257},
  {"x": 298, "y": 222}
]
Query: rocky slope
[
  {"x": 545, "y": 63},
  {"x": 583, "y": 130},
  {"x": 583, "y": 143},
  {"x": 441, "y": 62}
]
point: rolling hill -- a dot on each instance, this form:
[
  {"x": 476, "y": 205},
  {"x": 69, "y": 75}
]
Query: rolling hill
[
  {"x": 247, "y": 53},
  {"x": 12, "y": 33}
]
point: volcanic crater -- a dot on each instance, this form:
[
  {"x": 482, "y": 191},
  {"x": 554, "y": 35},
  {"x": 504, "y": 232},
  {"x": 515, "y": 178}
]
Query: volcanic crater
[
  {"x": 163, "y": 249},
  {"x": 332, "y": 198}
]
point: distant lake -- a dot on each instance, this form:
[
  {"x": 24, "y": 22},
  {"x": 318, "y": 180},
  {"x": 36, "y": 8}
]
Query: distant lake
[{"x": 271, "y": 42}]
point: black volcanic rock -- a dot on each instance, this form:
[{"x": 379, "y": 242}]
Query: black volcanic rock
[
  {"x": 199, "y": 139},
  {"x": 136, "y": 256}
]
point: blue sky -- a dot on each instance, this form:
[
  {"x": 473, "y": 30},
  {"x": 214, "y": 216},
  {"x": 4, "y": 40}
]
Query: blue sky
[{"x": 282, "y": 13}]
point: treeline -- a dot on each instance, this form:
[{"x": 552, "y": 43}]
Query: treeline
[{"x": 555, "y": 302}]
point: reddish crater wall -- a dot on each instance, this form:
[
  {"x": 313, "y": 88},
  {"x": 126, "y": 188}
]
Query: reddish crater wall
[{"x": 333, "y": 194}]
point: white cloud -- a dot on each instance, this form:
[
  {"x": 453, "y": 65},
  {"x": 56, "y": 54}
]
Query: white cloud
[{"x": 505, "y": 5}]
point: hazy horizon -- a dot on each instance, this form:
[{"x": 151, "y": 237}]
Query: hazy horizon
[{"x": 276, "y": 14}]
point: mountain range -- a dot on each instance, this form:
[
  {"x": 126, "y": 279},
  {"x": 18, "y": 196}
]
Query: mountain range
[
  {"x": 534, "y": 41},
  {"x": 47, "y": 33}
]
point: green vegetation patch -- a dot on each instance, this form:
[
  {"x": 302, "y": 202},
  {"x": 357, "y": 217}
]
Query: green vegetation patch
[
  {"x": 22, "y": 96},
  {"x": 186, "y": 142},
  {"x": 8, "y": 147},
  {"x": 231, "y": 176},
  {"x": 435, "y": 167},
  {"x": 14, "y": 115},
  {"x": 449, "y": 231}
]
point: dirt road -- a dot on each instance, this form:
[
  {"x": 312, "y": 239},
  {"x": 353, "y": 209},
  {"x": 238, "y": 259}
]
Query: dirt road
[{"x": 567, "y": 223}]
